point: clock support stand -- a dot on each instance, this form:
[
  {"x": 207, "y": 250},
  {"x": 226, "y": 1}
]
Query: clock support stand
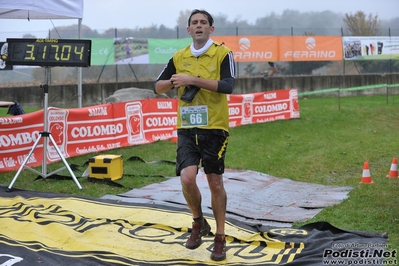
[{"x": 46, "y": 136}]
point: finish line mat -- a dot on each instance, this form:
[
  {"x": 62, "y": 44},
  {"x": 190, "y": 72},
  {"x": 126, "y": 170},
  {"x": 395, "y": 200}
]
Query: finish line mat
[
  {"x": 55, "y": 229},
  {"x": 253, "y": 197}
]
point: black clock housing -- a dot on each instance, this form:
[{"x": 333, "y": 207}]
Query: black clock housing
[{"x": 49, "y": 52}]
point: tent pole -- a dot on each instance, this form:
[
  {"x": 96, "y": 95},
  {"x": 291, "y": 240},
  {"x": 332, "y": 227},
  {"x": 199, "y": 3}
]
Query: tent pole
[{"x": 79, "y": 70}]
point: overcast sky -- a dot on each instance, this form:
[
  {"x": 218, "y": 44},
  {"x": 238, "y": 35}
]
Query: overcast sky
[{"x": 102, "y": 15}]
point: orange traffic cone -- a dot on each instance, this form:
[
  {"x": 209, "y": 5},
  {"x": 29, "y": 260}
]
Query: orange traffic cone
[
  {"x": 393, "y": 172},
  {"x": 174, "y": 135},
  {"x": 366, "y": 178}
]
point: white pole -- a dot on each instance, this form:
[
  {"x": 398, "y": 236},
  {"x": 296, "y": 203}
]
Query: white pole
[{"x": 79, "y": 70}]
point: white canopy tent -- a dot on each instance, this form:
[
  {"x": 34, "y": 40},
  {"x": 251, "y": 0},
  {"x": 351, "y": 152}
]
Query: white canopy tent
[
  {"x": 46, "y": 9},
  {"x": 41, "y": 9}
]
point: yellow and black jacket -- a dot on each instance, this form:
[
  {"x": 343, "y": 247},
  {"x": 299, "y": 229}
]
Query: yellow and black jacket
[{"x": 217, "y": 64}]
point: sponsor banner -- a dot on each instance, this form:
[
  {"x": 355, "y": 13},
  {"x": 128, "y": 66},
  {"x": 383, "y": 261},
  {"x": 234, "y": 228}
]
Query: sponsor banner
[
  {"x": 370, "y": 48},
  {"x": 109, "y": 51},
  {"x": 81, "y": 131},
  {"x": 263, "y": 107},
  {"x": 251, "y": 48},
  {"x": 104, "y": 127},
  {"x": 161, "y": 50},
  {"x": 310, "y": 48},
  {"x": 18, "y": 135},
  {"x": 102, "y": 52},
  {"x": 131, "y": 51},
  {"x": 55, "y": 229},
  {"x": 3, "y": 55}
]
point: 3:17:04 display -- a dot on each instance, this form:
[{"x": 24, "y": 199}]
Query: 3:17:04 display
[{"x": 56, "y": 51}]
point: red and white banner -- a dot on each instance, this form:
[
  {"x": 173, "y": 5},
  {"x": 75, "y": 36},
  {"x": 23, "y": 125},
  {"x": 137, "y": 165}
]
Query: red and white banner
[
  {"x": 263, "y": 107},
  {"x": 99, "y": 128}
]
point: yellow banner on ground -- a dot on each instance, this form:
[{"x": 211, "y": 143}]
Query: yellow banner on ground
[{"x": 122, "y": 234}]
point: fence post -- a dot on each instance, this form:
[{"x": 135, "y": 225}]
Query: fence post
[{"x": 116, "y": 65}]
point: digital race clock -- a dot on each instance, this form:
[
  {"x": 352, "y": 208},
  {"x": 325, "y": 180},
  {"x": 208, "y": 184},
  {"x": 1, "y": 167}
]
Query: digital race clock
[{"x": 49, "y": 52}]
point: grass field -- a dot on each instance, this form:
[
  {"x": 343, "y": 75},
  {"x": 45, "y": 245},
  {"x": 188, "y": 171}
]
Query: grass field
[{"x": 327, "y": 145}]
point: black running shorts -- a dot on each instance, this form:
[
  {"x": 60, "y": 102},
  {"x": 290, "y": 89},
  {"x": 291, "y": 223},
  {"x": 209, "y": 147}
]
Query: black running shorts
[{"x": 206, "y": 144}]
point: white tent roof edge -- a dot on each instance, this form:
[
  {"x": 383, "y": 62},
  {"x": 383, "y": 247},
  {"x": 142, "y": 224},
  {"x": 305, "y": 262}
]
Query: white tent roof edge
[{"x": 41, "y": 9}]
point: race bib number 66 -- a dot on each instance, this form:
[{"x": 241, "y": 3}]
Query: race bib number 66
[{"x": 193, "y": 116}]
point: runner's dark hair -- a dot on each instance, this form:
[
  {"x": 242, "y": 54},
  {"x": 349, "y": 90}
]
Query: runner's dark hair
[{"x": 201, "y": 11}]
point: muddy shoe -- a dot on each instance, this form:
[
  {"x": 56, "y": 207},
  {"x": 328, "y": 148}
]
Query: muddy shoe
[
  {"x": 219, "y": 248},
  {"x": 198, "y": 231}
]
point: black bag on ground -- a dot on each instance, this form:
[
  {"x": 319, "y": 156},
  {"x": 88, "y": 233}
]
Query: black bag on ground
[{"x": 15, "y": 109}]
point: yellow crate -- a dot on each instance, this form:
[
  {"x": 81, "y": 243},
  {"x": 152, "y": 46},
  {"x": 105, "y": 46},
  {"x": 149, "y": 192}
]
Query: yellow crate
[{"x": 106, "y": 167}]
